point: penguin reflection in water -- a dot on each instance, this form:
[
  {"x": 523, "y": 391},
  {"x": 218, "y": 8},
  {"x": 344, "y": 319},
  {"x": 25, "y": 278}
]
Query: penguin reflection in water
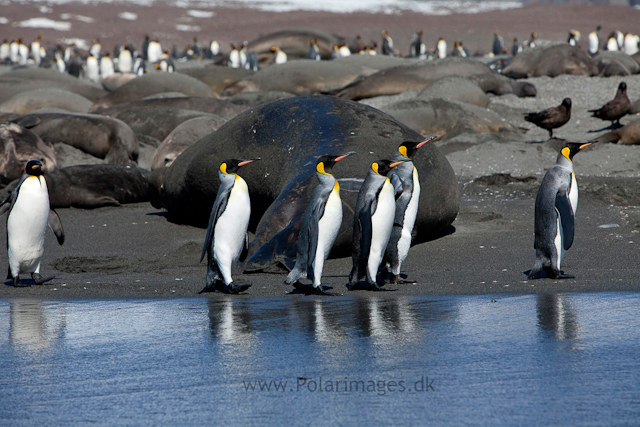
[
  {"x": 320, "y": 225},
  {"x": 404, "y": 179},
  {"x": 29, "y": 214},
  {"x": 372, "y": 224},
  {"x": 226, "y": 241},
  {"x": 555, "y": 210}
]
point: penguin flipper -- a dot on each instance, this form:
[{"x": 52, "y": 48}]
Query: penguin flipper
[
  {"x": 217, "y": 209},
  {"x": 56, "y": 226},
  {"x": 317, "y": 212},
  {"x": 245, "y": 248},
  {"x": 10, "y": 200},
  {"x": 397, "y": 185},
  {"x": 367, "y": 230},
  {"x": 564, "y": 209}
]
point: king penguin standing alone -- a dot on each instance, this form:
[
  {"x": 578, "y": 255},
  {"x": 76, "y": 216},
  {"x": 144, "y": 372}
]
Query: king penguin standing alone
[
  {"x": 29, "y": 214},
  {"x": 405, "y": 178},
  {"x": 320, "y": 225},
  {"x": 556, "y": 205},
  {"x": 372, "y": 224},
  {"x": 226, "y": 240}
]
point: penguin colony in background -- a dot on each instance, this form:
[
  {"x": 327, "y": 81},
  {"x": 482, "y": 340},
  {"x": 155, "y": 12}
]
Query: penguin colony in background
[{"x": 97, "y": 64}]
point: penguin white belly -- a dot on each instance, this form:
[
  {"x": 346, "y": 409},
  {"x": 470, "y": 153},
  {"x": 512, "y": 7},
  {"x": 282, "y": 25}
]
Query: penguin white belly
[
  {"x": 328, "y": 228},
  {"x": 381, "y": 225},
  {"x": 231, "y": 228},
  {"x": 410, "y": 214},
  {"x": 27, "y": 226},
  {"x": 593, "y": 43},
  {"x": 573, "y": 193},
  {"x": 558, "y": 242}
]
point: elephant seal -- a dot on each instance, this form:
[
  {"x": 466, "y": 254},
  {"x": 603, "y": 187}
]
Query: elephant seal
[
  {"x": 151, "y": 84},
  {"x": 94, "y": 186},
  {"x": 452, "y": 88},
  {"x": 158, "y": 122},
  {"x": 611, "y": 63},
  {"x": 394, "y": 80},
  {"x": 27, "y": 79},
  {"x": 115, "y": 80},
  {"x": 183, "y": 137},
  {"x": 217, "y": 77},
  {"x": 552, "y": 61},
  {"x": 19, "y": 145},
  {"x": 103, "y": 137},
  {"x": 628, "y": 134},
  {"x": 438, "y": 116},
  {"x": 289, "y": 135},
  {"x": 46, "y": 97},
  {"x": 307, "y": 77},
  {"x": 215, "y": 106},
  {"x": 295, "y": 43}
]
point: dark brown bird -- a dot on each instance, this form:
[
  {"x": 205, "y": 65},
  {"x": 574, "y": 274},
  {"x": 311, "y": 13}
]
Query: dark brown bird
[
  {"x": 615, "y": 109},
  {"x": 551, "y": 118}
]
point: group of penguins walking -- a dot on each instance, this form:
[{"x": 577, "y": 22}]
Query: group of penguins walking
[{"x": 384, "y": 217}]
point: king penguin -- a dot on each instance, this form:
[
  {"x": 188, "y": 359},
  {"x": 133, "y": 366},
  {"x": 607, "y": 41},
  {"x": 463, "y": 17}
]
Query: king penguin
[
  {"x": 29, "y": 214},
  {"x": 320, "y": 225},
  {"x": 555, "y": 209},
  {"x": 226, "y": 238},
  {"x": 594, "y": 42},
  {"x": 372, "y": 224},
  {"x": 404, "y": 178}
]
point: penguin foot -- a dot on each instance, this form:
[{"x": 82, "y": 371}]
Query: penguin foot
[
  {"x": 310, "y": 290},
  {"x": 219, "y": 286},
  {"x": 364, "y": 286},
  {"x": 397, "y": 280},
  {"x": 548, "y": 274},
  {"x": 39, "y": 280},
  {"x": 18, "y": 284}
]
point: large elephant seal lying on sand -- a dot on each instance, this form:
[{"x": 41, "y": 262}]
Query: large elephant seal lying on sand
[
  {"x": 551, "y": 61},
  {"x": 19, "y": 145},
  {"x": 628, "y": 134},
  {"x": 103, "y": 137},
  {"x": 394, "y": 80},
  {"x": 289, "y": 135}
]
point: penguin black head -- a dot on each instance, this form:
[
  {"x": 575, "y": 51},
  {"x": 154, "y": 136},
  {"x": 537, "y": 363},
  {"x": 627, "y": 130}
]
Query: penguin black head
[
  {"x": 33, "y": 168},
  {"x": 573, "y": 148},
  {"x": 326, "y": 162},
  {"x": 230, "y": 166},
  {"x": 408, "y": 148},
  {"x": 383, "y": 167}
]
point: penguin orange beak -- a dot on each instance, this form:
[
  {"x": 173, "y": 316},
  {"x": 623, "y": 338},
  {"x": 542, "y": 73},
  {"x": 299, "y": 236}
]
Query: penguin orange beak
[
  {"x": 345, "y": 156},
  {"x": 393, "y": 165},
  {"x": 431, "y": 138},
  {"x": 586, "y": 144},
  {"x": 246, "y": 162}
]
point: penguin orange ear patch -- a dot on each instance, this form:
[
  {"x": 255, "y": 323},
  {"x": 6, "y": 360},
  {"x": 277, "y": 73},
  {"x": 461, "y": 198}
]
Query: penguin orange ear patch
[
  {"x": 374, "y": 166},
  {"x": 320, "y": 168},
  {"x": 403, "y": 150},
  {"x": 565, "y": 152},
  {"x": 223, "y": 168}
]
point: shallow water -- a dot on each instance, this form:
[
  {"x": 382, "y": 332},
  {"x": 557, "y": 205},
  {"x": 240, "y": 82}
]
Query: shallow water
[{"x": 534, "y": 359}]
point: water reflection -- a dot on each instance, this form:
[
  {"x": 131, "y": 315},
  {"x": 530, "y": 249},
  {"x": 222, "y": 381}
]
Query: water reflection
[
  {"x": 557, "y": 318},
  {"x": 34, "y": 327}
]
